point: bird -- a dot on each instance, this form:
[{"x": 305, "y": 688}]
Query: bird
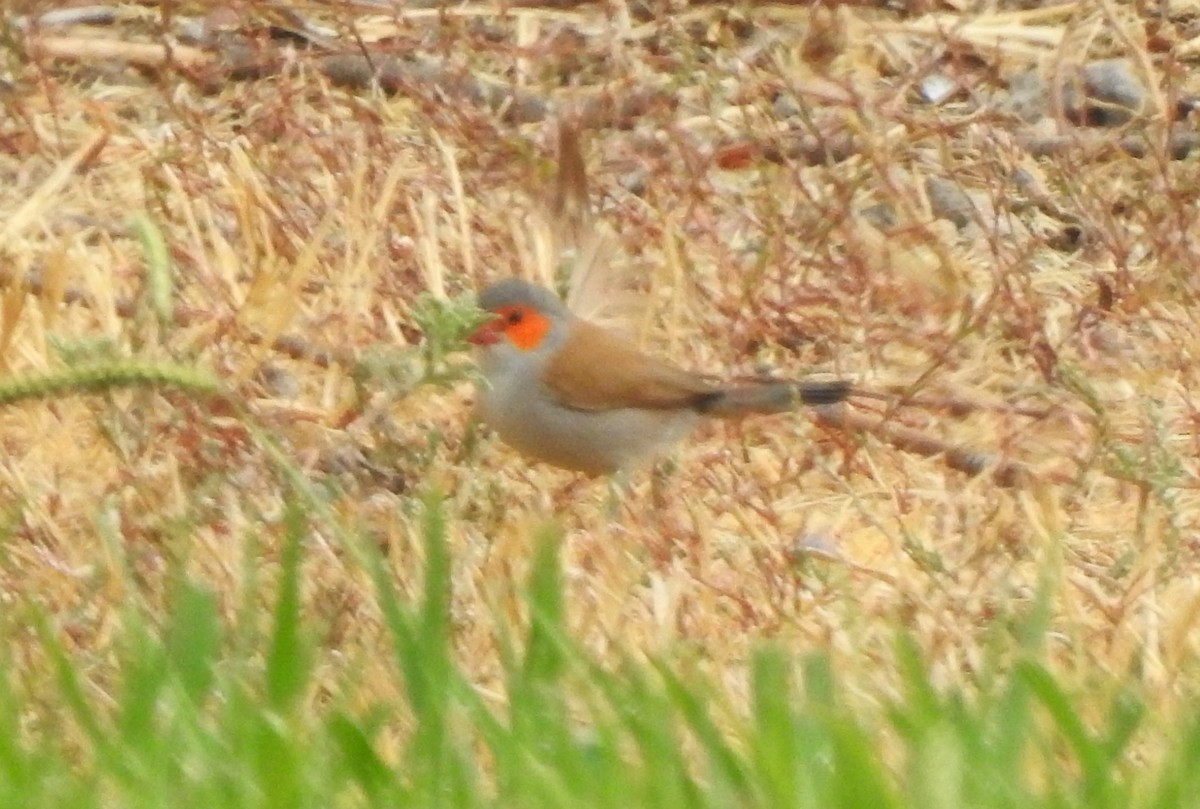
[{"x": 565, "y": 391}]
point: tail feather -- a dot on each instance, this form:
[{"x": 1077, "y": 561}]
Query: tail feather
[
  {"x": 771, "y": 397},
  {"x": 824, "y": 393}
]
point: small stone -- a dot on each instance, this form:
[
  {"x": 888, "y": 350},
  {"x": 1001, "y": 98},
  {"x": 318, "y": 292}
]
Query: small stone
[
  {"x": 816, "y": 544},
  {"x": 948, "y": 200},
  {"x": 938, "y": 87},
  {"x": 1112, "y": 94},
  {"x": 881, "y": 216}
]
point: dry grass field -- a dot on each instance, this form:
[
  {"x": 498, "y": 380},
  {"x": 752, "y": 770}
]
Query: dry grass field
[{"x": 988, "y": 213}]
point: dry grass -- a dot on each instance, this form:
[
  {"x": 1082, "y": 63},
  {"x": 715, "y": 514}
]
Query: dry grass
[{"x": 308, "y": 217}]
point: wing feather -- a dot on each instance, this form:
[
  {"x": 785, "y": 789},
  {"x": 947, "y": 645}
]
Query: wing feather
[{"x": 596, "y": 369}]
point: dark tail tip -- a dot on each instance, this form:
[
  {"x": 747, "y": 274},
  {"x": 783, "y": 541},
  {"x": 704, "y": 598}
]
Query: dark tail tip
[{"x": 824, "y": 393}]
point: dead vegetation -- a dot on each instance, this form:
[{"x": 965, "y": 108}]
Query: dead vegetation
[{"x": 995, "y": 211}]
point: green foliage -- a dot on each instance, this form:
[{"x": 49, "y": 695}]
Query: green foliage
[
  {"x": 445, "y": 325},
  {"x": 104, "y": 377},
  {"x": 205, "y": 713},
  {"x": 160, "y": 282}
]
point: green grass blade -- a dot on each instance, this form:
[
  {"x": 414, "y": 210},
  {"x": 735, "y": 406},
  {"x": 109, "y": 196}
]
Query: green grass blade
[
  {"x": 287, "y": 657},
  {"x": 727, "y": 769},
  {"x": 159, "y": 278},
  {"x": 775, "y": 753},
  {"x": 193, "y": 639}
]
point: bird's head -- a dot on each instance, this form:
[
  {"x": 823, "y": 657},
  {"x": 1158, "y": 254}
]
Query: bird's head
[{"x": 526, "y": 318}]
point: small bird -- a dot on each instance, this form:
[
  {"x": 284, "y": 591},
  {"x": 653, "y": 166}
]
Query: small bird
[{"x": 572, "y": 394}]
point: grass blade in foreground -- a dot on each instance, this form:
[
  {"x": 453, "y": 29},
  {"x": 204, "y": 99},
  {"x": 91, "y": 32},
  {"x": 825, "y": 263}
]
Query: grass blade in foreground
[{"x": 205, "y": 714}]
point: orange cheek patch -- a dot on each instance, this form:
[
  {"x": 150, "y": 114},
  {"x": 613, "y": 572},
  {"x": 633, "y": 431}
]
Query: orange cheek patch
[{"x": 529, "y": 332}]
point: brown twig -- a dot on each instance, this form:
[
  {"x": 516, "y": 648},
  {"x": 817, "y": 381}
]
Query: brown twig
[
  {"x": 143, "y": 54},
  {"x": 953, "y": 404},
  {"x": 1004, "y": 472}
]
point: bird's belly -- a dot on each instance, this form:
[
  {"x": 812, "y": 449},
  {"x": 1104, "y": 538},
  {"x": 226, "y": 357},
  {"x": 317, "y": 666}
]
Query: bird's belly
[{"x": 590, "y": 441}]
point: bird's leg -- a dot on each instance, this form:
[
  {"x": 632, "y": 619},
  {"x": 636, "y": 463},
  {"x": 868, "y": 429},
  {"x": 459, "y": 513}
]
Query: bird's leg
[
  {"x": 658, "y": 483},
  {"x": 618, "y": 493},
  {"x": 670, "y": 536},
  {"x": 569, "y": 492}
]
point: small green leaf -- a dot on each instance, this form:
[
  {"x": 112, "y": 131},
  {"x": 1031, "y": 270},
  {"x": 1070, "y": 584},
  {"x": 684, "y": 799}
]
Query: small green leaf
[{"x": 159, "y": 278}]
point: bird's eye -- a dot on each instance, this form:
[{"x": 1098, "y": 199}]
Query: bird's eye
[{"x": 514, "y": 317}]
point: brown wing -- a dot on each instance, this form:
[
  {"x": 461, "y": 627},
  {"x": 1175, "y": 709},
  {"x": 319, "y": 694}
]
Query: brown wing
[{"x": 598, "y": 370}]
